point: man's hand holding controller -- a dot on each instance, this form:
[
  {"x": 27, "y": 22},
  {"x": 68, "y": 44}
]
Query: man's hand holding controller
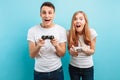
[
  {"x": 40, "y": 42},
  {"x": 51, "y": 38}
]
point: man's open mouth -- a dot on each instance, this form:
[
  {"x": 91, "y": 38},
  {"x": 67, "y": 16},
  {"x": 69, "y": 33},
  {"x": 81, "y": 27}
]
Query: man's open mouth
[{"x": 47, "y": 20}]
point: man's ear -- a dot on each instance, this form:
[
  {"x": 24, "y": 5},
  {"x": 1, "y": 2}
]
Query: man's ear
[
  {"x": 54, "y": 15},
  {"x": 40, "y": 14}
]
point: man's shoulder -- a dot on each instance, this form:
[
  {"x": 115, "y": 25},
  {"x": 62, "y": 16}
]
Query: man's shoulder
[{"x": 59, "y": 26}]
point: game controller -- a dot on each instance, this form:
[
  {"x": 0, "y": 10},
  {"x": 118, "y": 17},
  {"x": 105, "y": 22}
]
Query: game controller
[
  {"x": 77, "y": 48},
  {"x": 44, "y": 37}
]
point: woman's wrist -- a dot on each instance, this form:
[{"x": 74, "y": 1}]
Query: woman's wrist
[{"x": 90, "y": 52}]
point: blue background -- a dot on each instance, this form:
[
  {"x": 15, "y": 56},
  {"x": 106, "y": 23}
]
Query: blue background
[{"x": 17, "y": 16}]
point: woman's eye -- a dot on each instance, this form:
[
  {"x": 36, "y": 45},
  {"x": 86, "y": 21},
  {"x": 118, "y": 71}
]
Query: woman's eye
[
  {"x": 81, "y": 19},
  {"x": 75, "y": 18}
]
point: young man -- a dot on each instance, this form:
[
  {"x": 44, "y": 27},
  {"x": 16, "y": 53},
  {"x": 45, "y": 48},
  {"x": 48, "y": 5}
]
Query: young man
[{"x": 47, "y": 44}]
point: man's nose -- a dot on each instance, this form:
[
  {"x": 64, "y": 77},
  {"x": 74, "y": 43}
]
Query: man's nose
[{"x": 46, "y": 15}]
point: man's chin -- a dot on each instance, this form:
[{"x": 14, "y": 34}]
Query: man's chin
[{"x": 47, "y": 25}]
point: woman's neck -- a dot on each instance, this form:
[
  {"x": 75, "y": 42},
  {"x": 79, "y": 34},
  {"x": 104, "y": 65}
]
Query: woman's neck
[{"x": 80, "y": 33}]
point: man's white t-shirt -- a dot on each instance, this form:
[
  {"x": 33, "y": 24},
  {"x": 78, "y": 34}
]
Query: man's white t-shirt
[{"x": 47, "y": 60}]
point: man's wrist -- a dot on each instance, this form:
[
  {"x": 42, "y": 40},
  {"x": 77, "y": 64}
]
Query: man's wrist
[
  {"x": 57, "y": 45},
  {"x": 39, "y": 46}
]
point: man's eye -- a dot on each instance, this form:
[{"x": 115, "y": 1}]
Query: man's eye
[
  {"x": 43, "y": 12},
  {"x": 50, "y": 12}
]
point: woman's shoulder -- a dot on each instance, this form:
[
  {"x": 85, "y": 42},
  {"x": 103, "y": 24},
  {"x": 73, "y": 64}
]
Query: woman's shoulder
[
  {"x": 67, "y": 31},
  {"x": 93, "y": 33},
  {"x": 92, "y": 30}
]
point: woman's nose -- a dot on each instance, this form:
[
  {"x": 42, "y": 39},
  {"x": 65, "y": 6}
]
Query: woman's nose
[{"x": 78, "y": 20}]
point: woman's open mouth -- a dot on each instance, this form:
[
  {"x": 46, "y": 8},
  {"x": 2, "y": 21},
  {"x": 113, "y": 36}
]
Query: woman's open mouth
[{"x": 78, "y": 26}]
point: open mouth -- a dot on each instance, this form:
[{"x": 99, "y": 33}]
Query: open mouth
[
  {"x": 47, "y": 20},
  {"x": 78, "y": 26}
]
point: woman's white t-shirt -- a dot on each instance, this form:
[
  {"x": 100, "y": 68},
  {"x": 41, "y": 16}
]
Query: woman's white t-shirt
[{"x": 82, "y": 60}]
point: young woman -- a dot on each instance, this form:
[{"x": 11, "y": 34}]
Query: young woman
[{"x": 81, "y": 45}]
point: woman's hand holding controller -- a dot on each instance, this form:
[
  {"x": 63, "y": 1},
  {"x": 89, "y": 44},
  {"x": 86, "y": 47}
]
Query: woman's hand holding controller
[{"x": 72, "y": 51}]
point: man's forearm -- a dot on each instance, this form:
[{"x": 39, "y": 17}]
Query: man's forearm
[
  {"x": 60, "y": 50},
  {"x": 34, "y": 52}
]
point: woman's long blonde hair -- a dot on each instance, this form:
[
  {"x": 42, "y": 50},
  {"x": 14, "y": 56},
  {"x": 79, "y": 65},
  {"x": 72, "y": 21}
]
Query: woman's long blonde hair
[{"x": 73, "y": 35}]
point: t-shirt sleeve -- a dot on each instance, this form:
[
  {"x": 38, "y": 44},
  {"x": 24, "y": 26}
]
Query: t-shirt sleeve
[
  {"x": 30, "y": 36},
  {"x": 93, "y": 34},
  {"x": 63, "y": 36}
]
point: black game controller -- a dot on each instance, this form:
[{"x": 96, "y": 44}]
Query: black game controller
[{"x": 47, "y": 37}]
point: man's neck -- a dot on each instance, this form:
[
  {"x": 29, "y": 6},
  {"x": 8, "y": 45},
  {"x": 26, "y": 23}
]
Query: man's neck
[{"x": 47, "y": 26}]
